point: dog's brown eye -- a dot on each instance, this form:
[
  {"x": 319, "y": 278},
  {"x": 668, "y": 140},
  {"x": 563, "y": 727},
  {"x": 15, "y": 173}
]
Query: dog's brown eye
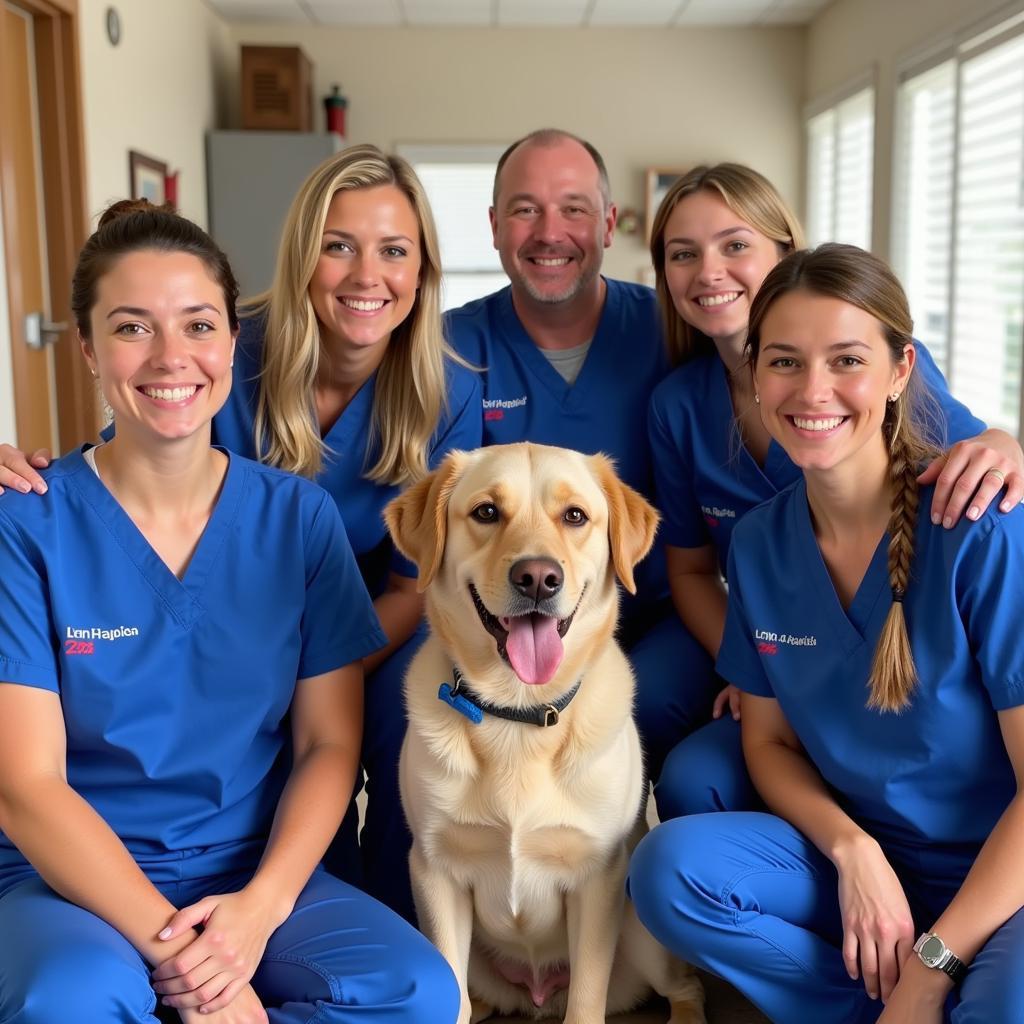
[
  {"x": 485, "y": 513},
  {"x": 574, "y": 516}
]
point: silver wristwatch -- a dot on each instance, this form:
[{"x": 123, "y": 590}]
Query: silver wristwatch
[{"x": 934, "y": 953}]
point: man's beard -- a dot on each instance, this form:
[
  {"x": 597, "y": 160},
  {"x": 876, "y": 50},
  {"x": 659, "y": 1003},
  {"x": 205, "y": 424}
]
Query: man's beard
[{"x": 583, "y": 280}]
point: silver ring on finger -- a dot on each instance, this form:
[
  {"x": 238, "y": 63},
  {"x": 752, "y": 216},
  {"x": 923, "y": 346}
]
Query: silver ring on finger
[{"x": 997, "y": 472}]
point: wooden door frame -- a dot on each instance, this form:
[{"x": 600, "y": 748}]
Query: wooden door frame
[{"x": 62, "y": 142}]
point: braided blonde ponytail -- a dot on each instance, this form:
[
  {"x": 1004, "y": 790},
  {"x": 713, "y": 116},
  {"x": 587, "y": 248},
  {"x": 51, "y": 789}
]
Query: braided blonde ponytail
[{"x": 893, "y": 674}]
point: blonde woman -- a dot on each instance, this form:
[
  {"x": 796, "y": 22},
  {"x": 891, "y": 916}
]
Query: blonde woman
[
  {"x": 882, "y": 672},
  {"x": 342, "y": 375},
  {"x": 716, "y": 235}
]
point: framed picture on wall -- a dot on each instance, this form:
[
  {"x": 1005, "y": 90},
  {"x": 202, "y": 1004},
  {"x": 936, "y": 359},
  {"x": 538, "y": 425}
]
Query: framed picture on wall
[
  {"x": 659, "y": 181},
  {"x": 147, "y": 178}
]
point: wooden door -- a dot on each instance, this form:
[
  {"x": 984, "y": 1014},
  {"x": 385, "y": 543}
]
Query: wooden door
[{"x": 43, "y": 189}]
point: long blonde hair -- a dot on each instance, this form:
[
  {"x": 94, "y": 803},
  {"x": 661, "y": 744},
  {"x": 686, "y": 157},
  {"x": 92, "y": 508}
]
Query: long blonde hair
[
  {"x": 410, "y": 391},
  {"x": 750, "y": 196},
  {"x": 863, "y": 280}
]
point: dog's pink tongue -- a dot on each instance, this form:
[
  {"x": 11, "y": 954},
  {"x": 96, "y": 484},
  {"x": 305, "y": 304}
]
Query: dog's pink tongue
[{"x": 534, "y": 647}]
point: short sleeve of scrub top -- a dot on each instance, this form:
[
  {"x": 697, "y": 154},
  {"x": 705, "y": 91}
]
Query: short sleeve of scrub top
[
  {"x": 334, "y": 623},
  {"x": 990, "y": 596},
  {"x": 956, "y": 421},
  {"x": 27, "y": 652}
]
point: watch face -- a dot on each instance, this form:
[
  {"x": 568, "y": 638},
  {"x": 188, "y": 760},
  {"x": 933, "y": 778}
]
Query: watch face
[{"x": 932, "y": 949}]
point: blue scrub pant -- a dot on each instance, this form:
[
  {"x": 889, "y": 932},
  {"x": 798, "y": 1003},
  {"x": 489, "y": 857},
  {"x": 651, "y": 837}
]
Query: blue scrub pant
[
  {"x": 378, "y": 861},
  {"x": 706, "y": 772},
  {"x": 750, "y": 899},
  {"x": 341, "y": 956},
  {"x": 675, "y": 679}
]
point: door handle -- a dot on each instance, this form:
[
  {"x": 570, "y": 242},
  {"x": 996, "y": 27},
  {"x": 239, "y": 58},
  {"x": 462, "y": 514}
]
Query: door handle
[{"x": 39, "y": 332}]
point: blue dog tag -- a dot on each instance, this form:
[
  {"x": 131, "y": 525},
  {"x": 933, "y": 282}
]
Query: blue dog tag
[{"x": 460, "y": 704}]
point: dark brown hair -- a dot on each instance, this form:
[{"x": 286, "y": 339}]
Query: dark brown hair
[
  {"x": 133, "y": 225},
  {"x": 852, "y": 275}
]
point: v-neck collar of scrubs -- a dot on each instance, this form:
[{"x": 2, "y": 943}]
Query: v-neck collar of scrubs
[
  {"x": 182, "y": 597},
  {"x": 852, "y": 624},
  {"x": 777, "y": 464},
  {"x": 570, "y": 397},
  {"x": 351, "y": 426}
]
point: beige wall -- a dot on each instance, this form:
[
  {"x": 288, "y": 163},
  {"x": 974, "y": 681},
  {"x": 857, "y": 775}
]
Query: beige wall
[
  {"x": 157, "y": 92},
  {"x": 853, "y": 37},
  {"x": 643, "y": 97}
]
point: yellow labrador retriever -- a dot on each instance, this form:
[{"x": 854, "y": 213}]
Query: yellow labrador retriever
[{"x": 521, "y": 772}]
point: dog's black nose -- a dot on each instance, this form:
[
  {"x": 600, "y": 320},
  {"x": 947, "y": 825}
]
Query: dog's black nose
[{"x": 537, "y": 578}]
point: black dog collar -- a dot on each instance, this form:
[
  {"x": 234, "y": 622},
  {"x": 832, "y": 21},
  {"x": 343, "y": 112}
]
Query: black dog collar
[{"x": 468, "y": 702}]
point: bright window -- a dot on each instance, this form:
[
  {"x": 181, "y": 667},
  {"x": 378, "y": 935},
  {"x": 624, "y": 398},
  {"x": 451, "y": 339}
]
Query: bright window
[
  {"x": 958, "y": 240},
  {"x": 458, "y": 181},
  {"x": 840, "y": 158}
]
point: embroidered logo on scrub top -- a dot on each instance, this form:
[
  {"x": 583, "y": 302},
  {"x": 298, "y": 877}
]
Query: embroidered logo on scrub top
[
  {"x": 769, "y": 642},
  {"x": 712, "y": 513},
  {"x": 494, "y": 408},
  {"x": 82, "y": 641}
]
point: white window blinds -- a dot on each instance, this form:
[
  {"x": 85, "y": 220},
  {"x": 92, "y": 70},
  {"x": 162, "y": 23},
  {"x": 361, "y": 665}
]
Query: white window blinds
[
  {"x": 458, "y": 182},
  {"x": 922, "y": 202},
  {"x": 959, "y": 233},
  {"x": 840, "y": 159}
]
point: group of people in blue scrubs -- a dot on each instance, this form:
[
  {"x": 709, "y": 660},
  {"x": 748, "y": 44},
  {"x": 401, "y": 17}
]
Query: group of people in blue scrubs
[{"x": 345, "y": 373}]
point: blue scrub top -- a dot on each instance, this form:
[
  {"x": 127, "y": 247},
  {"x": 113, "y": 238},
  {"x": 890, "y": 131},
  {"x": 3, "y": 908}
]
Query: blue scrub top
[
  {"x": 361, "y": 501},
  {"x": 526, "y": 399},
  {"x": 936, "y": 777},
  {"x": 605, "y": 410},
  {"x": 707, "y": 480},
  {"x": 150, "y": 669}
]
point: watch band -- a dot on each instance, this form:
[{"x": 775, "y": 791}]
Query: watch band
[{"x": 954, "y": 967}]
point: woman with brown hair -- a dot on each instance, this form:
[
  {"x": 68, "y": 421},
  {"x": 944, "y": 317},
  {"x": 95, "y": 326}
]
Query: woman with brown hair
[
  {"x": 182, "y": 632},
  {"x": 882, "y": 673}
]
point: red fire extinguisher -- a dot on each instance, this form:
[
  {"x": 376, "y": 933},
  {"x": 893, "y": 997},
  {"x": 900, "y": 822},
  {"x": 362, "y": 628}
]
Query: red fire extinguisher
[{"x": 334, "y": 107}]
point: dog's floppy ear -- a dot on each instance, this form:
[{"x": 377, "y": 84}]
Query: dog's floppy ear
[
  {"x": 632, "y": 521},
  {"x": 418, "y": 518}
]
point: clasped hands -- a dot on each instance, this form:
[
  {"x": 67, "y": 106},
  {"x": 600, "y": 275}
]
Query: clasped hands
[{"x": 209, "y": 979}]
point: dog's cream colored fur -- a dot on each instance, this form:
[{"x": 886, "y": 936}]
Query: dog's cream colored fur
[{"x": 522, "y": 834}]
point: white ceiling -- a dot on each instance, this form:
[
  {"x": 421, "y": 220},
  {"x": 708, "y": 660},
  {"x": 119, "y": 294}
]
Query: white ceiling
[{"x": 510, "y": 13}]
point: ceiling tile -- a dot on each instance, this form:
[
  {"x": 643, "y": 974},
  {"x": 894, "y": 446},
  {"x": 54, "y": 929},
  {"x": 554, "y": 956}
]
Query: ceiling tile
[
  {"x": 798, "y": 14},
  {"x": 354, "y": 12},
  {"x": 446, "y": 12},
  {"x": 629, "y": 12},
  {"x": 722, "y": 19},
  {"x": 542, "y": 12},
  {"x": 260, "y": 10}
]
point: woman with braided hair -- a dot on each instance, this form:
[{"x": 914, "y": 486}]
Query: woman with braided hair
[{"x": 882, "y": 675}]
